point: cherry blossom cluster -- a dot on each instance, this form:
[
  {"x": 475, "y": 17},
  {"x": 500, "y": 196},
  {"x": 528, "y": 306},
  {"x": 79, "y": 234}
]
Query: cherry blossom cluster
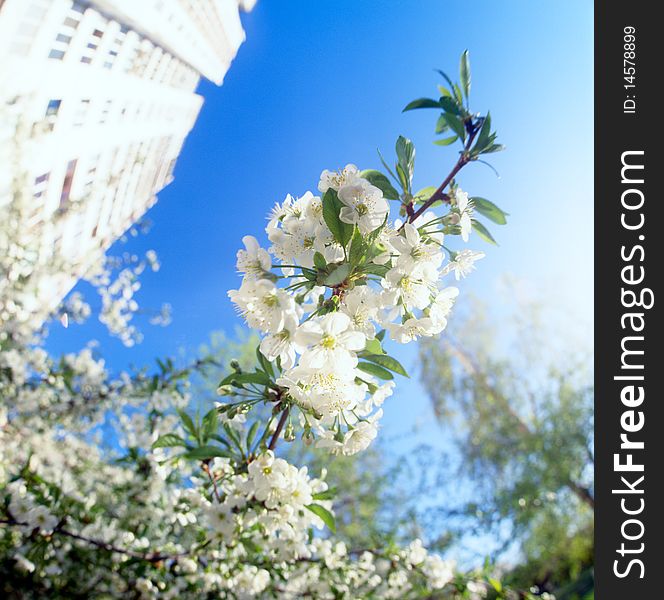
[
  {"x": 272, "y": 505},
  {"x": 339, "y": 275}
]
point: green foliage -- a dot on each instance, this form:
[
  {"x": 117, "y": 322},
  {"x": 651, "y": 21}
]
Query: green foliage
[
  {"x": 387, "y": 362},
  {"x": 456, "y": 117},
  {"x": 381, "y": 182},
  {"x": 483, "y": 232},
  {"x": 341, "y": 231},
  {"x": 489, "y": 210},
  {"x": 522, "y": 420},
  {"x": 376, "y": 370},
  {"x": 324, "y": 514}
]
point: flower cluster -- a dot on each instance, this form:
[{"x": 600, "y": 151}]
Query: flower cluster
[
  {"x": 273, "y": 505},
  {"x": 337, "y": 277}
]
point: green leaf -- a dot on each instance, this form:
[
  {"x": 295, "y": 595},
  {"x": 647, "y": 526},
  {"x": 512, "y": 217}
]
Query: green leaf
[
  {"x": 258, "y": 377},
  {"x": 326, "y": 516},
  {"x": 446, "y": 141},
  {"x": 209, "y": 423},
  {"x": 373, "y": 347},
  {"x": 456, "y": 125},
  {"x": 444, "y": 91},
  {"x": 233, "y": 435},
  {"x": 441, "y": 124},
  {"x": 424, "y": 194},
  {"x": 375, "y": 370},
  {"x": 483, "y": 232},
  {"x": 421, "y": 103},
  {"x": 381, "y": 334},
  {"x": 446, "y": 78},
  {"x": 388, "y": 362},
  {"x": 357, "y": 248},
  {"x": 483, "y": 138},
  {"x": 489, "y": 210},
  {"x": 319, "y": 261},
  {"x": 251, "y": 546},
  {"x": 252, "y": 434},
  {"x": 375, "y": 269},
  {"x": 265, "y": 364},
  {"x": 464, "y": 73},
  {"x": 206, "y": 452},
  {"x": 496, "y": 584},
  {"x": 450, "y": 105},
  {"x": 458, "y": 95},
  {"x": 326, "y": 495},
  {"x": 381, "y": 182},
  {"x": 188, "y": 422},
  {"x": 309, "y": 274},
  {"x": 406, "y": 158},
  {"x": 341, "y": 231},
  {"x": 404, "y": 180},
  {"x": 168, "y": 440},
  {"x": 338, "y": 275},
  {"x": 493, "y": 148}
]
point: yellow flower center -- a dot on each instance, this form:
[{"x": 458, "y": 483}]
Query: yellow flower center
[{"x": 328, "y": 341}]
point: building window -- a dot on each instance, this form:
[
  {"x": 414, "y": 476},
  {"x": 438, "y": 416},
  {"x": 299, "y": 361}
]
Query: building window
[
  {"x": 52, "y": 110},
  {"x": 41, "y": 184},
  {"x": 91, "y": 49},
  {"x": 116, "y": 46},
  {"x": 67, "y": 31},
  {"x": 66, "y": 184}
]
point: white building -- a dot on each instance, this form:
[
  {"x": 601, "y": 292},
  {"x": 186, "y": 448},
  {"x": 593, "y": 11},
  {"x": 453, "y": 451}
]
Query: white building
[{"x": 97, "y": 97}]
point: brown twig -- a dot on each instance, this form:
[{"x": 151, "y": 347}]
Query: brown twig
[
  {"x": 280, "y": 426},
  {"x": 440, "y": 194},
  {"x": 213, "y": 480},
  {"x": 151, "y": 557}
]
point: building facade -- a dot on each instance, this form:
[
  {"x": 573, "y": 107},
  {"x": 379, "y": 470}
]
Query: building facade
[{"x": 97, "y": 99}]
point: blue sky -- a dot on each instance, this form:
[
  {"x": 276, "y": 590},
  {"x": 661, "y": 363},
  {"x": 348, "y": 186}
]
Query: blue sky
[{"x": 320, "y": 84}]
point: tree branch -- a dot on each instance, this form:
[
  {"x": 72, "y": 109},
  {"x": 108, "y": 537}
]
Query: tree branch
[
  {"x": 151, "y": 557},
  {"x": 280, "y": 426},
  {"x": 440, "y": 194},
  {"x": 206, "y": 468}
]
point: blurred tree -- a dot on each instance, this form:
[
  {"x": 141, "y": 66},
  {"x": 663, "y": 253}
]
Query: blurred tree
[{"x": 520, "y": 413}]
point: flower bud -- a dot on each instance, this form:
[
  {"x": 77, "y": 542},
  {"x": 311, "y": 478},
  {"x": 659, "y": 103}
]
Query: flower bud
[{"x": 307, "y": 437}]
